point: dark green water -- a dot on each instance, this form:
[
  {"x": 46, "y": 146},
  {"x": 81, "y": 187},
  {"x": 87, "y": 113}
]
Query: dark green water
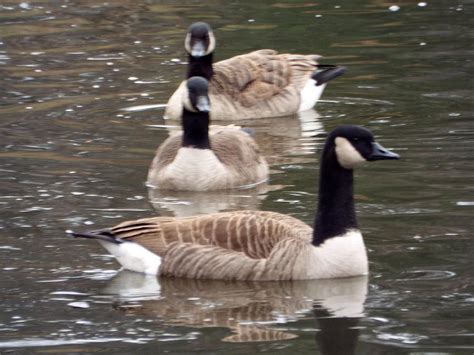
[{"x": 76, "y": 145}]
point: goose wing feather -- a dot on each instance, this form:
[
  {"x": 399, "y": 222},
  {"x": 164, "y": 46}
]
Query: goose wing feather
[
  {"x": 216, "y": 262},
  {"x": 251, "y": 77},
  {"x": 257, "y": 76},
  {"x": 253, "y": 234},
  {"x": 237, "y": 150},
  {"x": 166, "y": 152},
  {"x": 302, "y": 66}
]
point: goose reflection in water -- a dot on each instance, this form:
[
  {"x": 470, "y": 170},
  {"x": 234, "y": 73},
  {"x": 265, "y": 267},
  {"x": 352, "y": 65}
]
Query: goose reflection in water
[
  {"x": 283, "y": 140},
  {"x": 254, "y": 312},
  {"x": 193, "y": 203},
  {"x": 287, "y": 140}
]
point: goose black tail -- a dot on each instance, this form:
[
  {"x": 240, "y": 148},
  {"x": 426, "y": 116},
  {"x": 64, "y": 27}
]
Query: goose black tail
[
  {"x": 330, "y": 72},
  {"x": 104, "y": 235}
]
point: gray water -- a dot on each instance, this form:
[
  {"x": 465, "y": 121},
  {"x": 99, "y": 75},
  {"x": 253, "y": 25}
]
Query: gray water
[{"x": 78, "y": 136}]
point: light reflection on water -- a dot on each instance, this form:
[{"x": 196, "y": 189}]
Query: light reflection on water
[{"x": 82, "y": 95}]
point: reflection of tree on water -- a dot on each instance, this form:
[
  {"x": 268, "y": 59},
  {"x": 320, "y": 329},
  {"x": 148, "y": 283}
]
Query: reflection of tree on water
[{"x": 254, "y": 312}]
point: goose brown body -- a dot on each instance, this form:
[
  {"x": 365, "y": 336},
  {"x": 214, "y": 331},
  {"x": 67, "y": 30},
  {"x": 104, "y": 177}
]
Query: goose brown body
[
  {"x": 242, "y": 245},
  {"x": 234, "y": 160},
  {"x": 262, "y": 83}
]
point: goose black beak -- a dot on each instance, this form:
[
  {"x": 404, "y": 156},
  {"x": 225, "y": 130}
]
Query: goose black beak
[{"x": 380, "y": 153}]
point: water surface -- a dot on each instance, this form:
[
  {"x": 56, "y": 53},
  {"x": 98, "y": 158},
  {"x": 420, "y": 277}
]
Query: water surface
[{"x": 82, "y": 94}]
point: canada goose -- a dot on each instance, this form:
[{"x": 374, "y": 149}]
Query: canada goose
[
  {"x": 200, "y": 160},
  {"x": 259, "y": 245},
  {"x": 259, "y": 84}
]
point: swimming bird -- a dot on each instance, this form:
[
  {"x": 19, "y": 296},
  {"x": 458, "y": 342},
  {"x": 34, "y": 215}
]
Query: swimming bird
[
  {"x": 263, "y": 83},
  {"x": 259, "y": 245},
  {"x": 200, "y": 159}
]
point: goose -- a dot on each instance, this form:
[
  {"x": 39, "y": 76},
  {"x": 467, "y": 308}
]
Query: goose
[
  {"x": 263, "y": 83},
  {"x": 200, "y": 159},
  {"x": 259, "y": 245}
]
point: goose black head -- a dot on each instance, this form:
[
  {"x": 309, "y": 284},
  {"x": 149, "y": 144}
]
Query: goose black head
[
  {"x": 196, "y": 98},
  {"x": 200, "y": 40},
  {"x": 355, "y": 145}
]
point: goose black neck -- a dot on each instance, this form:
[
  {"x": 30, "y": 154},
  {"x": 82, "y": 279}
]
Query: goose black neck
[
  {"x": 201, "y": 66},
  {"x": 195, "y": 129},
  {"x": 336, "y": 211}
]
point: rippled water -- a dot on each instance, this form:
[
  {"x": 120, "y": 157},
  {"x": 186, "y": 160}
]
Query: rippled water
[{"x": 84, "y": 85}]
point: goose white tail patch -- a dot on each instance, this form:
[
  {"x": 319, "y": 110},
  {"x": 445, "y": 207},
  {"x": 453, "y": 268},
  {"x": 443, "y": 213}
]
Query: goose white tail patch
[
  {"x": 132, "y": 256},
  {"x": 310, "y": 94},
  {"x": 347, "y": 156}
]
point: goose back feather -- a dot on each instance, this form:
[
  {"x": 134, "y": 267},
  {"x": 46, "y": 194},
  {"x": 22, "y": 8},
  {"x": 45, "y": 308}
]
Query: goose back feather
[{"x": 254, "y": 233}]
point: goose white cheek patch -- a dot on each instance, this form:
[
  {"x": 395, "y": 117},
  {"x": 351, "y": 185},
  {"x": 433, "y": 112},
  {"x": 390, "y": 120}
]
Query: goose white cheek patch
[
  {"x": 212, "y": 43},
  {"x": 187, "y": 102},
  {"x": 347, "y": 156},
  {"x": 187, "y": 43},
  {"x": 210, "y": 48}
]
